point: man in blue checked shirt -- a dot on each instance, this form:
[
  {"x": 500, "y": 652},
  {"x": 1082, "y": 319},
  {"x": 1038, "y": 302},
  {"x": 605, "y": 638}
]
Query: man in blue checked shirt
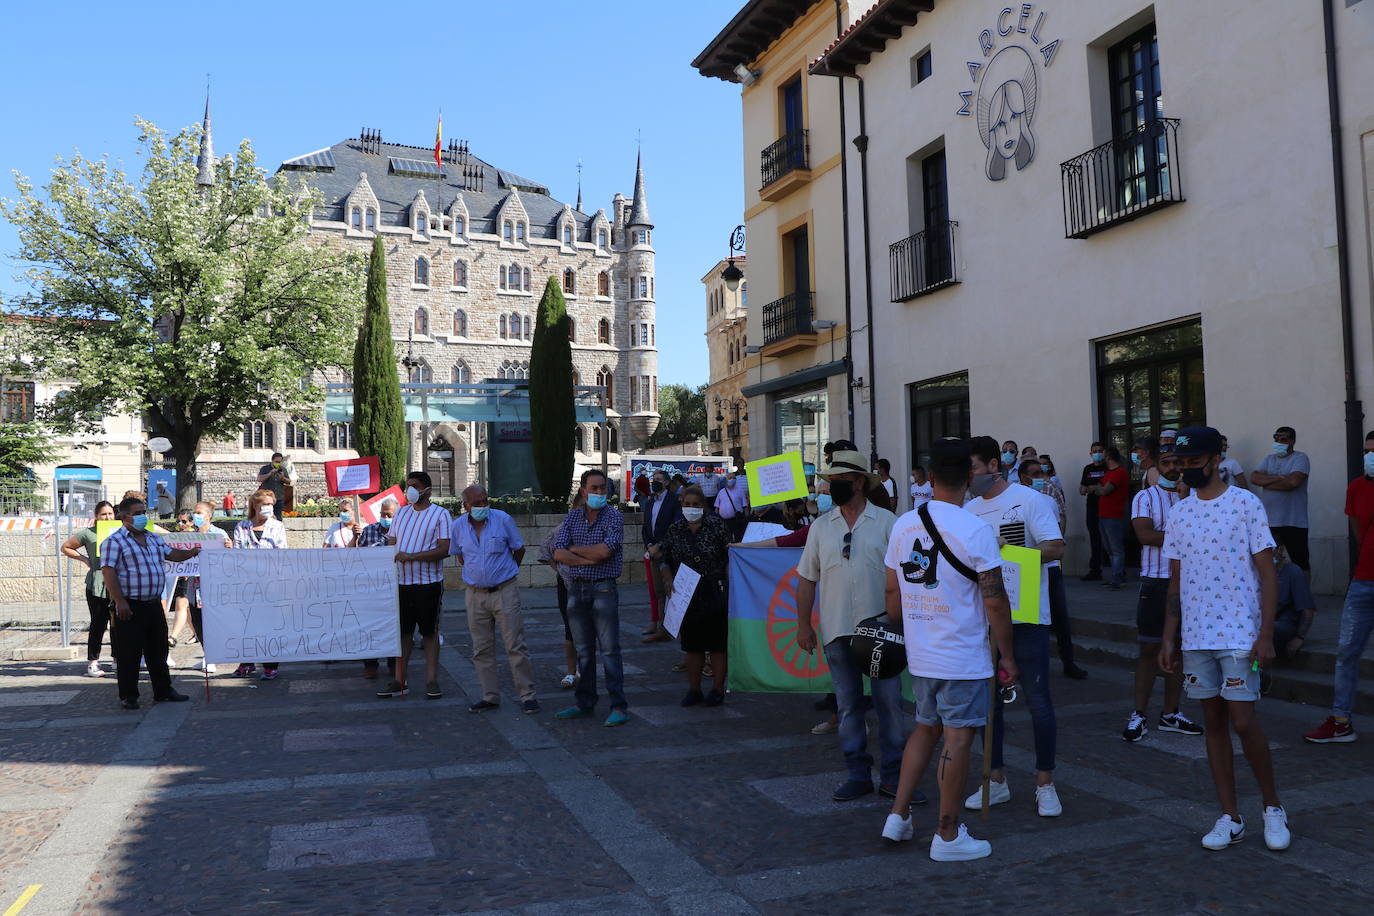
[
  {"x": 131, "y": 562},
  {"x": 589, "y": 543},
  {"x": 487, "y": 543}
]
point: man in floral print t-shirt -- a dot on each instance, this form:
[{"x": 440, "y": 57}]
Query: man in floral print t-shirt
[{"x": 1222, "y": 590}]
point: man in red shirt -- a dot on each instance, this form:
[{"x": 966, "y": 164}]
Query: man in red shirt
[
  {"x": 1113, "y": 491},
  {"x": 1357, "y": 617}
]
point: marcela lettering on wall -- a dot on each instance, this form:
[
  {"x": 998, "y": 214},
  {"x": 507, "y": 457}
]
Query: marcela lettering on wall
[{"x": 1007, "y": 86}]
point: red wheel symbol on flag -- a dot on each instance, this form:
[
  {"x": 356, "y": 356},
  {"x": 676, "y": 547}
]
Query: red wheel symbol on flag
[{"x": 782, "y": 633}]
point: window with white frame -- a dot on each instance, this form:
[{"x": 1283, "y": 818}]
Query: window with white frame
[
  {"x": 643, "y": 287},
  {"x": 341, "y": 435},
  {"x": 421, "y": 374},
  {"x": 300, "y": 433},
  {"x": 258, "y": 434},
  {"x": 606, "y": 379},
  {"x": 355, "y": 219},
  {"x": 462, "y": 375}
]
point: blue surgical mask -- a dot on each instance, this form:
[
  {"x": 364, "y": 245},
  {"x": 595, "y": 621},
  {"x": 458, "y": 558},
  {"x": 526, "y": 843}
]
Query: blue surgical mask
[
  {"x": 824, "y": 503},
  {"x": 386, "y": 522},
  {"x": 198, "y": 520},
  {"x": 1008, "y": 458},
  {"x": 1135, "y": 459},
  {"x": 1223, "y": 456},
  {"x": 1097, "y": 457},
  {"x": 480, "y": 513},
  {"x": 1280, "y": 449},
  {"x": 1168, "y": 484},
  {"x": 1039, "y": 484},
  {"x": 1369, "y": 464},
  {"x": 596, "y": 501},
  {"x": 345, "y": 517},
  {"x": 141, "y": 521}
]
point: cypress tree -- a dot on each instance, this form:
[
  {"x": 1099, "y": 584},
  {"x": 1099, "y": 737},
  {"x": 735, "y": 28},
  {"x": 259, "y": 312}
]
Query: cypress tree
[
  {"x": 552, "y": 416},
  {"x": 378, "y": 417}
]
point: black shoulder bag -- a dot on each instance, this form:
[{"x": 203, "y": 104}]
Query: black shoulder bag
[{"x": 959, "y": 565}]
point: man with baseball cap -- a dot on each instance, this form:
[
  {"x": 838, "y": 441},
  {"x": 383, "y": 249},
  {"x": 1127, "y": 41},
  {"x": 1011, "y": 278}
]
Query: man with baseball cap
[
  {"x": 1222, "y": 593},
  {"x": 844, "y": 553}
]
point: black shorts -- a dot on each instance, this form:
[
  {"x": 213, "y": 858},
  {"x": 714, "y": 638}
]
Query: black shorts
[
  {"x": 1149, "y": 612},
  {"x": 420, "y": 608}
]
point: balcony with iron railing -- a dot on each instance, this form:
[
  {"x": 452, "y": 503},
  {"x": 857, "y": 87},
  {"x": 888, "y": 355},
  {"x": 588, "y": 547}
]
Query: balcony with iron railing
[
  {"x": 1122, "y": 179},
  {"x": 785, "y": 164},
  {"x": 788, "y": 324},
  {"x": 922, "y": 263}
]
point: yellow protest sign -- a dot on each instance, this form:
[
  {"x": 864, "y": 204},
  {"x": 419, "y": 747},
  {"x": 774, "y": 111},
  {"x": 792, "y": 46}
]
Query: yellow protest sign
[
  {"x": 105, "y": 528},
  {"x": 1021, "y": 576},
  {"x": 776, "y": 479}
]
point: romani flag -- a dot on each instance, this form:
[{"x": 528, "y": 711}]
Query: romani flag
[
  {"x": 764, "y": 656},
  {"x": 439, "y": 142}
]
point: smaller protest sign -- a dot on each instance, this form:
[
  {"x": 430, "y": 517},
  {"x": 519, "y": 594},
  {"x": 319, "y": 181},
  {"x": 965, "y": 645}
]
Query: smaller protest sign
[
  {"x": 106, "y": 527},
  {"x": 368, "y": 511},
  {"x": 185, "y": 540},
  {"x": 684, "y": 586},
  {"x": 1021, "y": 577},
  {"x": 776, "y": 479},
  {"x": 351, "y": 476}
]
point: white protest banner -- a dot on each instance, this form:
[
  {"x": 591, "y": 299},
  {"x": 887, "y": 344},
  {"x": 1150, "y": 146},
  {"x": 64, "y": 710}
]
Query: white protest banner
[
  {"x": 762, "y": 531},
  {"x": 185, "y": 540},
  {"x": 299, "y": 605},
  {"x": 684, "y": 586}
]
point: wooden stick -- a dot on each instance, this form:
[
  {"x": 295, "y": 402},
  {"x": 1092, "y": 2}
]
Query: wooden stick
[{"x": 987, "y": 732}]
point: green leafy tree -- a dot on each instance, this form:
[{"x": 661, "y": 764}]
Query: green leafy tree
[
  {"x": 552, "y": 415},
  {"x": 378, "y": 415},
  {"x": 682, "y": 415},
  {"x": 199, "y": 307},
  {"x": 22, "y": 445}
]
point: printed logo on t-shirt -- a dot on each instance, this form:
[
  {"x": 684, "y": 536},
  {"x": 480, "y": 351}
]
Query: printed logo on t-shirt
[{"x": 922, "y": 566}]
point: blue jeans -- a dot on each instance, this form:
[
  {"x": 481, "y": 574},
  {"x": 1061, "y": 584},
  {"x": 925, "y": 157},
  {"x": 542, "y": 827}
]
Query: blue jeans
[
  {"x": 1114, "y": 543},
  {"x": 1357, "y": 622},
  {"x": 1031, "y": 647},
  {"x": 849, "y": 697},
  {"x": 594, "y": 615}
]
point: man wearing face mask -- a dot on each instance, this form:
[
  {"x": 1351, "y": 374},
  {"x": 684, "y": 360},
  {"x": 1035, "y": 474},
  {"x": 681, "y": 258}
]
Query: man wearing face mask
[
  {"x": 420, "y": 534},
  {"x": 1113, "y": 492},
  {"x": 131, "y": 563},
  {"x": 844, "y": 554},
  {"x": 489, "y": 546},
  {"x": 1026, "y": 519},
  {"x": 1282, "y": 480},
  {"x": 590, "y": 543},
  {"x": 659, "y": 516},
  {"x": 1093, "y": 473},
  {"x": 1149, "y": 517},
  {"x": 732, "y": 505},
  {"x": 1357, "y": 617},
  {"x": 344, "y": 532},
  {"x": 1009, "y": 462},
  {"x": 272, "y": 478}
]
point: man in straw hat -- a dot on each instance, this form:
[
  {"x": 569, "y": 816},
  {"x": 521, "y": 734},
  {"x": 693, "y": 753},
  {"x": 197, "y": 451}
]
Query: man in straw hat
[{"x": 844, "y": 554}]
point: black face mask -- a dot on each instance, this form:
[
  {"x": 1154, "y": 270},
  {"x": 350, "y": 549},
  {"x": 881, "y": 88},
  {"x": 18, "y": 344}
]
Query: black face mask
[
  {"x": 656, "y": 486},
  {"x": 1196, "y": 478},
  {"x": 841, "y": 491}
]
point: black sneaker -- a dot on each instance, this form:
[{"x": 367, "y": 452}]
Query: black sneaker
[
  {"x": 1135, "y": 728},
  {"x": 482, "y": 706},
  {"x": 1178, "y": 722},
  {"x": 393, "y": 689},
  {"x": 692, "y": 698},
  {"x": 529, "y": 707}
]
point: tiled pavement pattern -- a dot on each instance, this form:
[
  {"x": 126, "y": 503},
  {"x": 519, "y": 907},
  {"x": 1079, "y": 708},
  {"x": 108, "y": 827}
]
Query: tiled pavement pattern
[{"x": 309, "y": 796}]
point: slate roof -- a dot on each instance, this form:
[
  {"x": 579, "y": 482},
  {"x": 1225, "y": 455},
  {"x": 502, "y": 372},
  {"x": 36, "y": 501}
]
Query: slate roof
[{"x": 334, "y": 171}]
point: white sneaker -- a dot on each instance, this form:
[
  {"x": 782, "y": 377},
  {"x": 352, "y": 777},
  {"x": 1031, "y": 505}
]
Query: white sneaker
[
  {"x": 1225, "y": 832},
  {"x": 824, "y": 728},
  {"x": 170, "y": 663},
  {"x": 569, "y": 681},
  {"x": 1276, "y": 828},
  {"x": 897, "y": 829},
  {"x": 93, "y": 669},
  {"x": 210, "y": 669},
  {"x": 1047, "y": 801},
  {"x": 960, "y": 849},
  {"x": 999, "y": 793}
]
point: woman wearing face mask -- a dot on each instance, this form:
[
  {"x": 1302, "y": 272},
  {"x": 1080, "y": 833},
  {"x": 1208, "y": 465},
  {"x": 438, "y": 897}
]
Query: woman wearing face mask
[
  {"x": 344, "y": 532},
  {"x": 261, "y": 530},
  {"x": 97, "y": 599},
  {"x": 189, "y": 586},
  {"x": 181, "y": 614},
  {"x": 702, "y": 543}
]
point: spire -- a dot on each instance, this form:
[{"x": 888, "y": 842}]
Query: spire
[
  {"x": 639, "y": 209},
  {"x": 579, "y": 186},
  {"x": 205, "y": 160}
]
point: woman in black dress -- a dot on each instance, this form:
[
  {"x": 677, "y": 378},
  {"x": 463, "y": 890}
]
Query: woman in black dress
[{"x": 703, "y": 543}]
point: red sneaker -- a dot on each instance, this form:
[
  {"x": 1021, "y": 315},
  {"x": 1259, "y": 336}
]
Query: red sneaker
[{"x": 1332, "y": 732}]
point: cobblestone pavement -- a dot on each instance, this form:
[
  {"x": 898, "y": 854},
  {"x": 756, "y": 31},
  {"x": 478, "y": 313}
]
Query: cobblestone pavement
[{"x": 310, "y": 796}]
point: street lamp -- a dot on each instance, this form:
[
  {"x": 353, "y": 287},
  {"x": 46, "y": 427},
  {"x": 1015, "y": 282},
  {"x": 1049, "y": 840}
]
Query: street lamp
[{"x": 732, "y": 275}]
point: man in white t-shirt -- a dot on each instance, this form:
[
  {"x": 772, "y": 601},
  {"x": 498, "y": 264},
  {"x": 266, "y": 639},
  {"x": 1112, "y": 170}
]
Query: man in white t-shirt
[
  {"x": 1230, "y": 468},
  {"x": 1149, "y": 517},
  {"x": 921, "y": 490},
  {"x": 1223, "y": 592},
  {"x": 945, "y": 612},
  {"x": 420, "y": 534},
  {"x": 1024, "y": 518}
]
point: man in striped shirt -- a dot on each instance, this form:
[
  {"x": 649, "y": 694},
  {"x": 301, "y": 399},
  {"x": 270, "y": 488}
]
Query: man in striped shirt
[
  {"x": 1149, "y": 517},
  {"x": 420, "y": 535},
  {"x": 131, "y": 563}
]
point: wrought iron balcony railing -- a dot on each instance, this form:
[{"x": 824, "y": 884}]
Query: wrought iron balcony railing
[
  {"x": 787, "y": 317},
  {"x": 1122, "y": 179},
  {"x": 924, "y": 262},
  {"x": 787, "y": 154}
]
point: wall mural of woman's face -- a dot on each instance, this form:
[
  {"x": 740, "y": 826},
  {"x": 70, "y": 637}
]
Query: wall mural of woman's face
[{"x": 1005, "y": 128}]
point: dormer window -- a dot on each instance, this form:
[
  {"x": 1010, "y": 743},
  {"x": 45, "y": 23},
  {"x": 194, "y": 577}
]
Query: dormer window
[
  {"x": 355, "y": 219},
  {"x": 508, "y": 232},
  {"x": 567, "y": 234},
  {"x": 460, "y": 225},
  {"x": 421, "y": 222},
  {"x": 371, "y": 223},
  {"x": 520, "y": 233},
  {"x": 601, "y": 239}
]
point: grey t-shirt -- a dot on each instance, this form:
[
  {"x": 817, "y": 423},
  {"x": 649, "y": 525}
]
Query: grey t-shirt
[
  {"x": 274, "y": 483},
  {"x": 1286, "y": 508}
]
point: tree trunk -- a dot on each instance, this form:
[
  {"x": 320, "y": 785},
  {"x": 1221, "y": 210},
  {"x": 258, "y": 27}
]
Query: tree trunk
[{"x": 188, "y": 471}]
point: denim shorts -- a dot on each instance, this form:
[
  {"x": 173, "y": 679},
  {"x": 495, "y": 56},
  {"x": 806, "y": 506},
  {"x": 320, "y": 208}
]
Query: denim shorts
[
  {"x": 958, "y": 704},
  {"x": 1227, "y": 673}
]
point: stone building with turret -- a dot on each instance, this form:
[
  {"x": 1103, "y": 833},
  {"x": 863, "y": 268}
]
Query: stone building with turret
[{"x": 469, "y": 249}]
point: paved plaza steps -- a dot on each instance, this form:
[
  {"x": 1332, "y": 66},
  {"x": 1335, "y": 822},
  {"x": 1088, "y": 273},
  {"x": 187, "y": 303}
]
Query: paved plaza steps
[{"x": 1104, "y": 632}]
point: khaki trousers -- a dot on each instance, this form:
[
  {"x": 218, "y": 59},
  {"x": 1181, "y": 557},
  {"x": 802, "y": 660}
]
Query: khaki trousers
[{"x": 486, "y": 611}]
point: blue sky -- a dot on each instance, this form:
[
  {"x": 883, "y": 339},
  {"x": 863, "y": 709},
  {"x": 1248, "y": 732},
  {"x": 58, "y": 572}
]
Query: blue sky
[{"x": 522, "y": 81}]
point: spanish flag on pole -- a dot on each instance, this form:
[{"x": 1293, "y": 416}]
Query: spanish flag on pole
[{"x": 439, "y": 142}]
